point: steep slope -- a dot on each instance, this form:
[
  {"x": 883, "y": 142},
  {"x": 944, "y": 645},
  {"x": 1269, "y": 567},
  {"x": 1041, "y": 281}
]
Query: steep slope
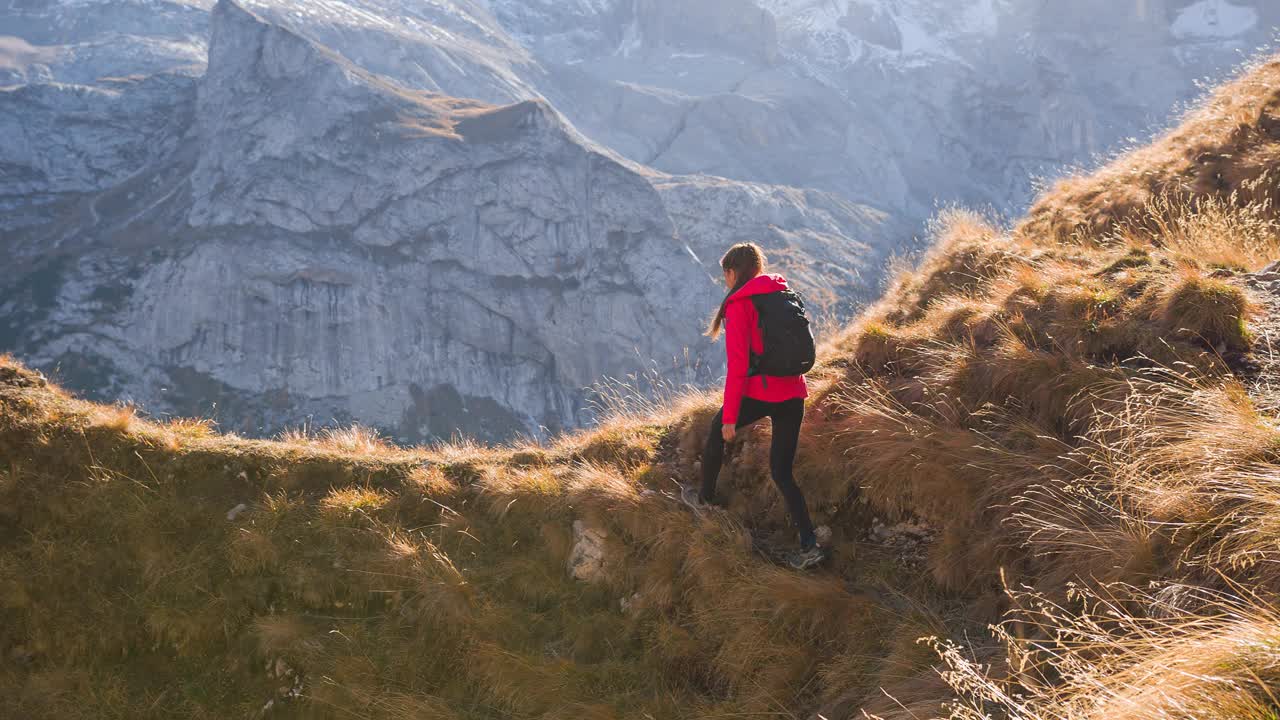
[
  {"x": 1224, "y": 152},
  {"x": 292, "y": 238},
  {"x": 1054, "y": 433}
]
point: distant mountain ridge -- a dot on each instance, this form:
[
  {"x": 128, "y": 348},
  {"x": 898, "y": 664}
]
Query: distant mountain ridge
[{"x": 899, "y": 104}]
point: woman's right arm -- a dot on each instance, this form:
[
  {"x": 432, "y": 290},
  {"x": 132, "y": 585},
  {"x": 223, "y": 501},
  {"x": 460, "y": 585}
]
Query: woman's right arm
[{"x": 737, "y": 346}]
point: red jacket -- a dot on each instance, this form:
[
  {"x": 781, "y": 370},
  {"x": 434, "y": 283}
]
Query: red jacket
[{"x": 741, "y": 337}]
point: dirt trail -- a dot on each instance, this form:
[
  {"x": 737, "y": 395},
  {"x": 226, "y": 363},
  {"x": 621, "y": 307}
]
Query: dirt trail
[{"x": 1263, "y": 379}]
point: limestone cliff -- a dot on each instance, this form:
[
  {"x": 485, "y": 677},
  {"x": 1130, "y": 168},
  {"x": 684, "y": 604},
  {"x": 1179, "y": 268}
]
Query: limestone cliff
[{"x": 293, "y": 238}]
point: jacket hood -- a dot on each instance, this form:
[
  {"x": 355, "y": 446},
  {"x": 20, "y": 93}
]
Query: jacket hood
[{"x": 760, "y": 285}]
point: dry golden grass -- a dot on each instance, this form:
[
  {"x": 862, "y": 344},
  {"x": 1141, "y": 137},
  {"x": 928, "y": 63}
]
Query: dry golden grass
[
  {"x": 1099, "y": 660},
  {"x": 1214, "y": 233},
  {"x": 118, "y": 418},
  {"x": 1205, "y": 308},
  {"x": 1224, "y": 151},
  {"x": 353, "y": 440},
  {"x": 191, "y": 427}
]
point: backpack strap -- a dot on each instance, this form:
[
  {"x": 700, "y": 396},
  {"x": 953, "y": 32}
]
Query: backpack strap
[{"x": 753, "y": 362}]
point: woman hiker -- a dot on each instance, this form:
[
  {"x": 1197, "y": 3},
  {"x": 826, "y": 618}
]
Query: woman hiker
[{"x": 750, "y": 397}]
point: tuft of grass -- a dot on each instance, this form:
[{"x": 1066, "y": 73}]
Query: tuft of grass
[
  {"x": 117, "y": 418},
  {"x": 1208, "y": 309},
  {"x": 876, "y": 350},
  {"x": 969, "y": 252},
  {"x": 349, "y": 501},
  {"x": 191, "y": 428},
  {"x": 355, "y": 440}
]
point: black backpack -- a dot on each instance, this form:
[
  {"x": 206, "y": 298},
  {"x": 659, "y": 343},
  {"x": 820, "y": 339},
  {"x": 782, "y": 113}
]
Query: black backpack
[{"x": 788, "y": 341}]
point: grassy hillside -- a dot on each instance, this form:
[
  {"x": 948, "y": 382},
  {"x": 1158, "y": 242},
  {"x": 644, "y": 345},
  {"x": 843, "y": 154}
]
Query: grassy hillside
[{"x": 1072, "y": 417}]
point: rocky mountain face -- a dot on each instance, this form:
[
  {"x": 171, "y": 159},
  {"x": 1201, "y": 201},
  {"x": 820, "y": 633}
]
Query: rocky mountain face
[
  {"x": 455, "y": 215},
  {"x": 284, "y": 235}
]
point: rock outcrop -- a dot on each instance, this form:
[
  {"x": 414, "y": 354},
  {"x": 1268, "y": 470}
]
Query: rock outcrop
[
  {"x": 50, "y": 150},
  {"x": 588, "y": 558}
]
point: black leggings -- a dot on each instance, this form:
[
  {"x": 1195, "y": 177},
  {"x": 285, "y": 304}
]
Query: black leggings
[{"x": 786, "y": 417}]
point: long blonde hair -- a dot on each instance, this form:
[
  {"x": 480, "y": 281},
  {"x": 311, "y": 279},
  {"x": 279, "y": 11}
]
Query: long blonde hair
[{"x": 746, "y": 260}]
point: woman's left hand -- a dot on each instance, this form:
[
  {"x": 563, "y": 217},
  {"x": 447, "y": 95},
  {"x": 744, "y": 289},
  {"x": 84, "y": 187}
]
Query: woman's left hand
[{"x": 729, "y": 432}]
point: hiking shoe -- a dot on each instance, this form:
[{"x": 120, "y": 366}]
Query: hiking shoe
[
  {"x": 691, "y": 495},
  {"x": 806, "y": 559}
]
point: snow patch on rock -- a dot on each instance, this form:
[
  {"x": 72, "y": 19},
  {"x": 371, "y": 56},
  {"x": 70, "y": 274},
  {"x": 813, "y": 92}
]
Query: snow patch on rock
[{"x": 1214, "y": 19}]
